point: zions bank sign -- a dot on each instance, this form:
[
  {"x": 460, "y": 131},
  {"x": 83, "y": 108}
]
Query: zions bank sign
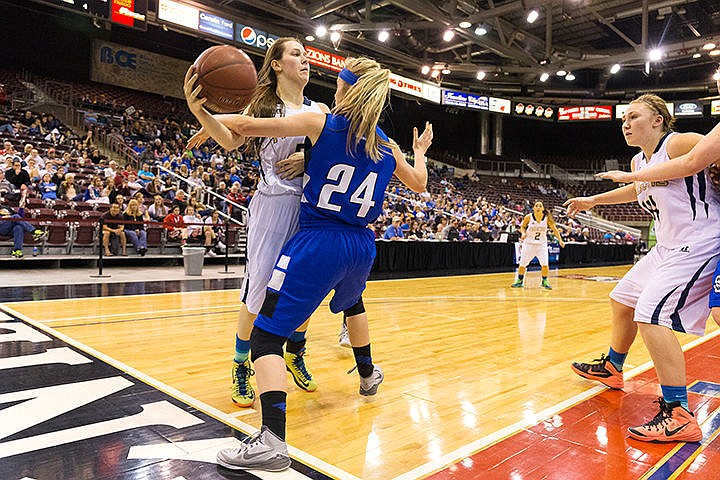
[{"x": 253, "y": 37}]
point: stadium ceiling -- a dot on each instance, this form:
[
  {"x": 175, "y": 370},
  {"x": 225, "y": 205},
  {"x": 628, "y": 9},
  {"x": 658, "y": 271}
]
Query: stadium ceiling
[{"x": 583, "y": 38}]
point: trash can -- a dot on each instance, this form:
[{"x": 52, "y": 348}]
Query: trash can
[{"x": 193, "y": 260}]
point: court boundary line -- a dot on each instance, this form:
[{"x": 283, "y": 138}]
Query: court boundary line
[
  {"x": 227, "y": 419},
  {"x": 474, "y": 447}
]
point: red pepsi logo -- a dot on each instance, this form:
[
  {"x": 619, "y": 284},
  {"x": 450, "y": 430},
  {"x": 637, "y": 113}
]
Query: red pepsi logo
[{"x": 248, "y": 35}]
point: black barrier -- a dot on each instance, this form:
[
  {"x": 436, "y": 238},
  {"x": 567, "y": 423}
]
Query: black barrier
[
  {"x": 101, "y": 250},
  {"x": 227, "y": 247},
  {"x": 406, "y": 257}
]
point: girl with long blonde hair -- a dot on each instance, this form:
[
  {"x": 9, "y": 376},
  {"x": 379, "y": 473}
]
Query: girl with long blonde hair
[{"x": 350, "y": 164}]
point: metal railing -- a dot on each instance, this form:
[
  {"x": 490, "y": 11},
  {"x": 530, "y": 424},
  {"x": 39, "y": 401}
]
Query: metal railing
[{"x": 599, "y": 223}]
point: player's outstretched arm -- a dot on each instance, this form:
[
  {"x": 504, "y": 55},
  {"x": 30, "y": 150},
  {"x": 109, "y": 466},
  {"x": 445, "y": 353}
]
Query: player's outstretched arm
[
  {"x": 702, "y": 153},
  {"x": 415, "y": 177},
  {"x": 624, "y": 194}
]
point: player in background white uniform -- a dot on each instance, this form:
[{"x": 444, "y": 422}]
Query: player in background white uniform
[
  {"x": 533, "y": 235},
  {"x": 667, "y": 290},
  {"x": 275, "y": 207}
]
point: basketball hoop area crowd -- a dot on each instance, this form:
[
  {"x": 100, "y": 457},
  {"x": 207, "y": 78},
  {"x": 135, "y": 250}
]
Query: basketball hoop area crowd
[{"x": 57, "y": 181}]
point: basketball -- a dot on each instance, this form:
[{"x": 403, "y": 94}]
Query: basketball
[{"x": 228, "y": 78}]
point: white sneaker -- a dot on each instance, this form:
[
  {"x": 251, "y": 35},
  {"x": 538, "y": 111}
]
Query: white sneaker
[
  {"x": 344, "y": 337},
  {"x": 369, "y": 385},
  {"x": 221, "y": 246},
  {"x": 262, "y": 451},
  {"x": 210, "y": 253}
]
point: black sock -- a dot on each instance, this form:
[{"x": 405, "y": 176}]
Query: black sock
[
  {"x": 273, "y": 412},
  {"x": 363, "y": 359},
  {"x": 295, "y": 347}
]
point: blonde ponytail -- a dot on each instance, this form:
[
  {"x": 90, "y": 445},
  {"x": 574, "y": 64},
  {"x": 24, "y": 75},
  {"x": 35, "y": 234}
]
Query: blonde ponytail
[{"x": 362, "y": 105}]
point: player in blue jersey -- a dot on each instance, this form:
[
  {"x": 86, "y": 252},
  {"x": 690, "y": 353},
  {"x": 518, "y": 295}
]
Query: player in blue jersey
[
  {"x": 275, "y": 207},
  {"x": 347, "y": 171}
]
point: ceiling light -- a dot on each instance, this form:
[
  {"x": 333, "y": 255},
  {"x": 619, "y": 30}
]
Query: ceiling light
[
  {"x": 709, "y": 46},
  {"x": 425, "y": 69},
  {"x": 481, "y": 75},
  {"x": 321, "y": 31},
  {"x": 383, "y": 35},
  {"x": 714, "y": 53},
  {"x": 448, "y": 35},
  {"x": 615, "y": 69},
  {"x": 446, "y": 71},
  {"x": 696, "y": 55},
  {"x": 561, "y": 73},
  {"x": 435, "y": 73},
  {"x": 335, "y": 37},
  {"x": 532, "y": 16},
  {"x": 655, "y": 55},
  {"x": 465, "y": 24},
  {"x": 570, "y": 77},
  {"x": 481, "y": 30},
  {"x": 716, "y": 77},
  {"x": 309, "y": 38},
  {"x": 544, "y": 77}
]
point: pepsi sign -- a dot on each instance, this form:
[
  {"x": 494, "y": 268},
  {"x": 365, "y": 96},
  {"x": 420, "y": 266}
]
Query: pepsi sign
[{"x": 254, "y": 37}]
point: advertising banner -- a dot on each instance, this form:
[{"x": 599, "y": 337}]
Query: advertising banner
[{"x": 130, "y": 67}]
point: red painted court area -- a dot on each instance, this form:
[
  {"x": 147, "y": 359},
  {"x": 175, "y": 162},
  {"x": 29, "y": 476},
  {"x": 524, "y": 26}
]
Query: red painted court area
[{"x": 589, "y": 441}]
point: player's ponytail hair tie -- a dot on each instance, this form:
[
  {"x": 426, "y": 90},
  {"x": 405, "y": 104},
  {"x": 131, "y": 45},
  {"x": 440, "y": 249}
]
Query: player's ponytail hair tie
[{"x": 349, "y": 77}]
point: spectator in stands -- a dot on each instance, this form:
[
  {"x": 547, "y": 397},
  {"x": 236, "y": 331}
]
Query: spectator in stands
[
  {"x": 69, "y": 190},
  {"x": 95, "y": 157},
  {"x": 394, "y": 231},
  {"x": 145, "y": 175},
  {"x": 51, "y": 122},
  {"x": 47, "y": 189},
  {"x": 136, "y": 232},
  {"x": 12, "y": 223},
  {"x": 180, "y": 201},
  {"x": 135, "y": 186},
  {"x": 94, "y": 191},
  {"x": 451, "y": 231},
  {"x": 28, "y": 119},
  {"x": 111, "y": 170},
  {"x": 18, "y": 176},
  {"x": 414, "y": 232},
  {"x": 158, "y": 211},
  {"x": 113, "y": 231},
  {"x": 214, "y": 233},
  {"x": 175, "y": 225},
  {"x": 8, "y": 125},
  {"x": 8, "y": 149},
  {"x": 120, "y": 200},
  {"x": 36, "y": 130}
]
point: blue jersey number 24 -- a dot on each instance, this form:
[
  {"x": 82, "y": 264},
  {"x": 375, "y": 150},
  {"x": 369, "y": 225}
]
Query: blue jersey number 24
[{"x": 363, "y": 194}]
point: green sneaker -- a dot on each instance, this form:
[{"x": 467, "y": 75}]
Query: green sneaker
[
  {"x": 295, "y": 364},
  {"x": 518, "y": 284},
  {"x": 17, "y": 253},
  {"x": 546, "y": 285},
  {"x": 39, "y": 234},
  {"x": 243, "y": 394}
]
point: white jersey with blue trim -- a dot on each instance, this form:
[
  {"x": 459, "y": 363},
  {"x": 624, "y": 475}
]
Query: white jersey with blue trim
[
  {"x": 275, "y": 149},
  {"x": 536, "y": 232},
  {"x": 686, "y": 210}
]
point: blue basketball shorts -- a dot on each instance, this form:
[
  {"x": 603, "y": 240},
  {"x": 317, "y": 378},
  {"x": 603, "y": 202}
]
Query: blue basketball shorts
[{"x": 311, "y": 264}]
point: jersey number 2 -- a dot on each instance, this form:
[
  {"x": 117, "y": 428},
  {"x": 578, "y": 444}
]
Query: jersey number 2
[
  {"x": 537, "y": 235},
  {"x": 363, "y": 194}
]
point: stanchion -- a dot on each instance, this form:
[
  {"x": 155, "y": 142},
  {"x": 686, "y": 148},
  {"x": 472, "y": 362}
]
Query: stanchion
[
  {"x": 227, "y": 247},
  {"x": 100, "y": 255}
]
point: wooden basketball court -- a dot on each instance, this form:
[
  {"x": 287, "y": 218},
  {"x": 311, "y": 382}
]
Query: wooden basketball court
[{"x": 477, "y": 379}]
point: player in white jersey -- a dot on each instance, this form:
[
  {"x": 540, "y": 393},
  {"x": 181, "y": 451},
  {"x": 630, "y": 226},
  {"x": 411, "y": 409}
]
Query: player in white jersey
[
  {"x": 275, "y": 207},
  {"x": 533, "y": 235},
  {"x": 667, "y": 290}
]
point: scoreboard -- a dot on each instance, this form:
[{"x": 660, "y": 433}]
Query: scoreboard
[{"x": 130, "y": 13}]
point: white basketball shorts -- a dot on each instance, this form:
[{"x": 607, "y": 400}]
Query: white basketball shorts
[
  {"x": 532, "y": 250},
  {"x": 670, "y": 287},
  {"x": 272, "y": 221}
]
